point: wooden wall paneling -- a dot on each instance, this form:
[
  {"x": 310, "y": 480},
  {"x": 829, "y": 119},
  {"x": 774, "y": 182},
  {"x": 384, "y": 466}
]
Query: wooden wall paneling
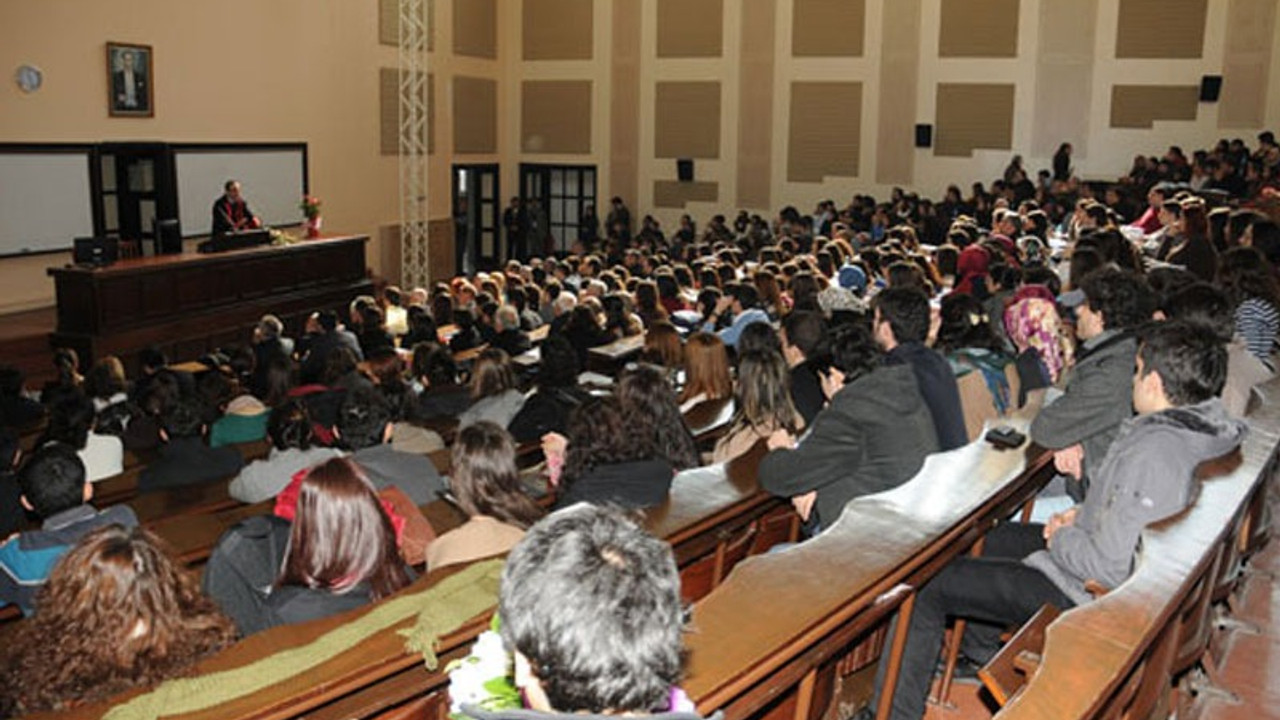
[
  {"x": 555, "y": 116},
  {"x": 1139, "y": 106},
  {"x": 827, "y": 28},
  {"x": 979, "y": 28},
  {"x": 687, "y": 119},
  {"x": 690, "y": 28},
  {"x": 1161, "y": 28},
  {"x": 825, "y": 130},
  {"x": 441, "y": 258},
  {"x": 557, "y": 29},
  {"x": 475, "y": 115},
  {"x": 389, "y": 111},
  {"x": 971, "y": 116},
  {"x": 389, "y": 22}
]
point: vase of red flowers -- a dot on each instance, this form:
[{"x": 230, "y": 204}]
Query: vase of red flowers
[{"x": 310, "y": 207}]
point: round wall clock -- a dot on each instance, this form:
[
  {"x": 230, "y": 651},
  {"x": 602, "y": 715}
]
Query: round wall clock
[{"x": 29, "y": 78}]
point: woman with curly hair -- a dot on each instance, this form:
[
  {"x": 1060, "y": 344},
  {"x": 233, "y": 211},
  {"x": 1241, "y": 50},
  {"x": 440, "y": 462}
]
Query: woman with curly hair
[
  {"x": 116, "y": 613},
  {"x": 606, "y": 461},
  {"x": 650, "y": 404}
]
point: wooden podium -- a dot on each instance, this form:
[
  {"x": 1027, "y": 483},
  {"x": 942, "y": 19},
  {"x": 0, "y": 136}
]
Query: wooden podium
[{"x": 189, "y": 304}]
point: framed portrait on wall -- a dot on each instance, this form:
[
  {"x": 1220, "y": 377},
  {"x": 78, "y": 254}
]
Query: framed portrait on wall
[{"x": 129, "y": 80}]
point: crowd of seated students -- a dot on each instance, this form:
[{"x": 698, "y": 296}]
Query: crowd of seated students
[{"x": 838, "y": 338}]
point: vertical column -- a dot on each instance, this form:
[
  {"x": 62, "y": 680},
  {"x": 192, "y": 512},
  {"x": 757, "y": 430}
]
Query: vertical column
[
  {"x": 1246, "y": 63},
  {"x": 624, "y": 103},
  {"x": 755, "y": 104},
  {"x": 899, "y": 76},
  {"x": 1064, "y": 77}
]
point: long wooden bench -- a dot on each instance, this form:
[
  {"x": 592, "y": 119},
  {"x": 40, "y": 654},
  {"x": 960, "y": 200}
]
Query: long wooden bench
[
  {"x": 706, "y": 506},
  {"x": 1118, "y": 656}
]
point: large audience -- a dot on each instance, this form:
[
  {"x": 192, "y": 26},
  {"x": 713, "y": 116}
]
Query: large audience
[{"x": 839, "y": 338}]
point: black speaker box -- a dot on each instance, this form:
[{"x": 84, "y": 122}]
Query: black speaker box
[
  {"x": 684, "y": 170},
  {"x": 1210, "y": 88},
  {"x": 924, "y": 136}
]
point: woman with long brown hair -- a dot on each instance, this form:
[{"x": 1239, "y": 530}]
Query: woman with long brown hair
[
  {"x": 342, "y": 548},
  {"x": 764, "y": 404},
  {"x": 663, "y": 346},
  {"x": 117, "y": 612},
  {"x": 495, "y": 394},
  {"x": 1195, "y": 251},
  {"x": 486, "y": 486},
  {"x": 706, "y": 368}
]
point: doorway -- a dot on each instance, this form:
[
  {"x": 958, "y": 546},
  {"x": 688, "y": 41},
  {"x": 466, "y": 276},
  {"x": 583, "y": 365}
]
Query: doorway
[
  {"x": 478, "y": 245},
  {"x": 137, "y": 189},
  {"x": 562, "y": 193}
]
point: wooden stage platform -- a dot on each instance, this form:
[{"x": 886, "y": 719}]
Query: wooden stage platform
[{"x": 24, "y": 343}]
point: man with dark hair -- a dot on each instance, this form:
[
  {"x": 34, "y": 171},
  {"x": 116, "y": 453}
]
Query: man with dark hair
[
  {"x": 590, "y": 603},
  {"x": 744, "y": 301},
  {"x": 901, "y": 326},
  {"x": 185, "y": 458},
  {"x": 1209, "y": 306},
  {"x": 441, "y": 395},
  {"x": 364, "y": 428},
  {"x": 547, "y": 409},
  {"x": 324, "y": 335},
  {"x": 1081, "y": 424},
  {"x": 293, "y": 448},
  {"x": 53, "y": 487},
  {"x": 874, "y": 436},
  {"x": 804, "y": 339},
  {"x": 231, "y": 213},
  {"x": 1148, "y": 475}
]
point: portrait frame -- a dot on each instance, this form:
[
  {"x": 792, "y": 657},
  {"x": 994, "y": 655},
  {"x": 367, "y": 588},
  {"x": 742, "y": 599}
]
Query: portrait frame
[{"x": 120, "y": 101}]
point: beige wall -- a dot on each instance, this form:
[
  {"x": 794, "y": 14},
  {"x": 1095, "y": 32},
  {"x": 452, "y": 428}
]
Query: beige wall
[{"x": 308, "y": 70}]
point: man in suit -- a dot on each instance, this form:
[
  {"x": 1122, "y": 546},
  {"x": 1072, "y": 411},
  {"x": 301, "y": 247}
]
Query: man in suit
[
  {"x": 231, "y": 213},
  {"x": 129, "y": 84}
]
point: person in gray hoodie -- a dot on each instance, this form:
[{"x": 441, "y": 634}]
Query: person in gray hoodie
[
  {"x": 590, "y": 605},
  {"x": 1147, "y": 475},
  {"x": 1081, "y": 424}
]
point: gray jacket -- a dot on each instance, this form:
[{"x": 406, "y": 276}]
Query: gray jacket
[
  {"x": 1098, "y": 397},
  {"x": 498, "y": 409},
  {"x": 264, "y": 479},
  {"x": 1147, "y": 476}
]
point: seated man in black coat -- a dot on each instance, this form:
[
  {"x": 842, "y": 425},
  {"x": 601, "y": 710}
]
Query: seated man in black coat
[
  {"x": 900, "y": 327},
  {"x": 508, "y": 335},
  {"x": 804, "y": 338},
  {"x": 185, "y": 458},
  {"x": 873, "y": 436}
]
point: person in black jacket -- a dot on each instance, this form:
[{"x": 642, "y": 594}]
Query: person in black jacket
[
  {"x": 900, "y": 327},
  {"x": 873, "y": 436},
  {"x": 547, "y": 409},
  {"x": 185, "y": 459},
  {"x": 508, "y": 335},
  {"x": 605, "y": 463}
]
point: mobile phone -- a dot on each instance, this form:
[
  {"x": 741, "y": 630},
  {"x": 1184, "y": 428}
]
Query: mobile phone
[{"x": 1005, "y": 437}]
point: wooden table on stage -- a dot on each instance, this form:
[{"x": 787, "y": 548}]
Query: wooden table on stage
[{"x": 189, "y": 304}]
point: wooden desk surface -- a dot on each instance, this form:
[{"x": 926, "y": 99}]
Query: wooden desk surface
[
  {"x": 150, "y": 264},
  {"x": 619, "y": 349}
]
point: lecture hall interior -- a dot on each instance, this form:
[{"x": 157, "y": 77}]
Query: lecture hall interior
[{"x": 678, "y": 107}]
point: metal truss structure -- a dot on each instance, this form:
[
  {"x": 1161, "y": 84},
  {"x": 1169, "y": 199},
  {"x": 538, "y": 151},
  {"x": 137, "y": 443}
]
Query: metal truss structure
[{"x": 415, "y": 270}]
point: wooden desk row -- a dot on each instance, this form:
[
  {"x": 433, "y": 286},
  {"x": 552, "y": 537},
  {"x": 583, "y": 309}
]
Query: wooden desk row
[{"x": 706, "y": 507}]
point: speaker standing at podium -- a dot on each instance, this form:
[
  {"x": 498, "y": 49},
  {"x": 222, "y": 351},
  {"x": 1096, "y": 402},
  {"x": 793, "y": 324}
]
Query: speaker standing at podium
[{"x": 231, "y": 213}]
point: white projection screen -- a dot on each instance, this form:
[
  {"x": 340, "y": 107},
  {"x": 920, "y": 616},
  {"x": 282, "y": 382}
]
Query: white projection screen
[
  {"x": 45, "y": 200},
  {"x": 272, "y": 179}
]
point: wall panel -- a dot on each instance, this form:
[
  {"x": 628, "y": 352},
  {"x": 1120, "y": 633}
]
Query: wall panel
[
  {"x": 827, "y": 28},
  {"x": 555, "y": 116},
  {"x": 475, "y": 28},
  {"x": 690, "y": 28},
  {"x": 624, "y": 102},
  {"x": 1246, "y": 66},
  {"x": 557, "y": 29},
  {"x": 826, "y": 130},
  {"x": 687, "y": 120},
  {"x": 475, "y": 115},
  {"x": 979, "y": 28},
  {"x": 972, "y": 116},
  {"x": 755, "y": 104},
  {"x": 1161, "y": 28},
  {"x": 676, "y": 194},
  {"x": 1139, "y": 106}
]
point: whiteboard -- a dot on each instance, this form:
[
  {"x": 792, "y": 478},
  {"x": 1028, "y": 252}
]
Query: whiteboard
[
  {"x": 45, "y": 201},
  {"x": 272, "y": 181}
]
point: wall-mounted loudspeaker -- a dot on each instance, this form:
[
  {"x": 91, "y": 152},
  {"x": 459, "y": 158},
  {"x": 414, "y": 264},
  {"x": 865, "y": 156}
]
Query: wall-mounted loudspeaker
[
  {"x": 924, "y": 136},
  {"x": 684, "y": 170},
  {"x": 1210, "y": 88}
]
